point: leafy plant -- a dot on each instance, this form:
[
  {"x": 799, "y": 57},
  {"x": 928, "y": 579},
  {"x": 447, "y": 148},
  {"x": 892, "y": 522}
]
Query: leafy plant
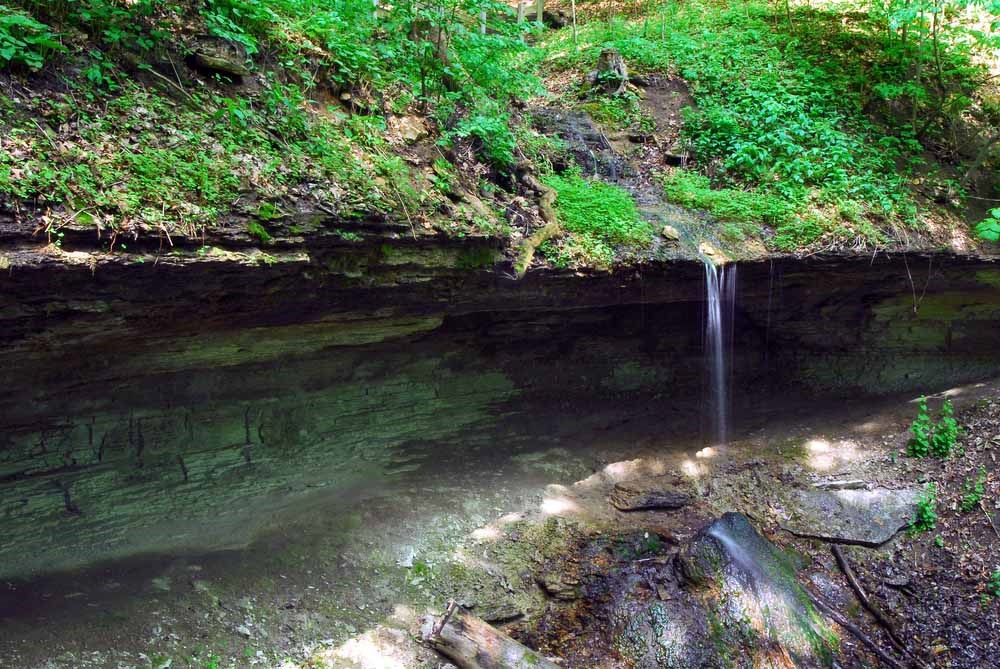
[
  {"x": 974, "y": 491},
  {"x": 919, "y": 444},
  {"x": 620, "y": 112},
  {"x": 259, "y": 231},
  {"x": 25, "y": 41},
  {"x": 993, "y": 585},
  {"x": 494, "y": 140},
  {"x": 945, "y": 431},
  {"x": 925, "y": 516},
  {"x": 989, "y": 227}
]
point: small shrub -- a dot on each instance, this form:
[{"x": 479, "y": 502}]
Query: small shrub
[
  {"x": 974, "y": 491},
  {"x": 993, "y": 585},
  {"x": 945, "y": 431},
  {"x": 494, "y": 140},
  {"x": 925, "y": 518},
  {"x": 920, "y": 443}
]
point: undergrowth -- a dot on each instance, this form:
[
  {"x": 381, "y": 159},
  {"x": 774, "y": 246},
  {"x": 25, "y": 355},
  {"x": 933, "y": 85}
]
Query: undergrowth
[
  {"x": 129, "y": 144},
  {"x": 781, "y": 114},
  {"x": 600, "y": 218}
]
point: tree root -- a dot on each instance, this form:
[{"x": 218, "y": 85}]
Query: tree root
[
  {"x": 551, "y": 229},
  {"x": 862, "y": 596}
]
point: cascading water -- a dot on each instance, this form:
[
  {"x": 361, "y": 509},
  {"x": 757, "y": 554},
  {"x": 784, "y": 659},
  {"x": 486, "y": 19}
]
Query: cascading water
[{"x": 720, "y": 289}]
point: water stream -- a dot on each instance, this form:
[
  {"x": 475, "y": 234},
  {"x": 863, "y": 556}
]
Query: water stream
[{"x": 720, "y": 289}]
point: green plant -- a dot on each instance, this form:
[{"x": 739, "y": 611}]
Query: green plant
[
  {"x": 25, "y": 41},
  {"x": 925, "y": 516},
  {"x": 993, "y": 585},
  {"x": 945, "y": 431},
  {"x": 493, "y": 139},
  {"x": 974, "y": 491},
  {"x": 989, "y": 227},
  {"x": 919, "y": 444},
  {"x": 620, "y": 112}
]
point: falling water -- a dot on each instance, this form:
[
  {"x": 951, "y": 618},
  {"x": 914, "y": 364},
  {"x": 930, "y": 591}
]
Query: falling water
[{"x": 720, "y": 287}]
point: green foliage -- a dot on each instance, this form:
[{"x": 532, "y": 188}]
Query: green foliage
[
  {"x": 783, "y": 101},
  {"x": 925, "y": 517},
  {"x": 920, "y": 441},
  {"x": 259, "y": 231},
  {"x": 993, "y": 584},
  {"x": 728, "y": 204},
  {"x": 25, "y": 41},
  {"x": 600, "y": 217},
  {"x": 989, "y": 227},
  {"x": 493, "y": 139},
  {"x": 937, "y": 439},
  {"x": 178, "y": 168},
  {"x": 974, "y": 491},
  {"x": 620, "y": 112},
  {"x": 945, "y": 431}
]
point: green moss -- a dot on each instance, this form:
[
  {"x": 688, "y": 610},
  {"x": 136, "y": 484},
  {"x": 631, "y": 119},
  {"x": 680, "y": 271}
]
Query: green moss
[
  {"x": 482, "y": 257},
  {"x": 259, "y": 231}
]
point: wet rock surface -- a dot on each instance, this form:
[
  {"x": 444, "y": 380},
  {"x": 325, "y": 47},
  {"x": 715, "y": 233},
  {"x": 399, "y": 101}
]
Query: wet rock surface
[{"x": 728, "y": 597}]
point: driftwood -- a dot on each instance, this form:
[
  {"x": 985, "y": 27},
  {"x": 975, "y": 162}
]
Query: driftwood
[
  {"x": 471, "y": 643},
  {"x": 550, "y": 230}
]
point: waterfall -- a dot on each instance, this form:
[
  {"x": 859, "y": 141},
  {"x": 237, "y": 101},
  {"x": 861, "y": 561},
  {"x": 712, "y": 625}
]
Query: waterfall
[{"x": 720, "y": 306}]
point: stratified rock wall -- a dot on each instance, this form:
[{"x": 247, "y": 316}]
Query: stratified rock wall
[{"x": 190, "y": 400}]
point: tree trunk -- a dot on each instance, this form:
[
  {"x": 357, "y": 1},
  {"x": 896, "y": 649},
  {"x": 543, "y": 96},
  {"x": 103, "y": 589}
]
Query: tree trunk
[
  {"x": 472, "y": 643},
  {"x": 612, "y": 75}
]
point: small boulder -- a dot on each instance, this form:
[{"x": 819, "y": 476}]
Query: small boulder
[
  {"x": 649, "y": 494},
  {"x": 671, "y": 233},
  {"x": 851, "y": 516},
  {"x": 411, "y": 128}
]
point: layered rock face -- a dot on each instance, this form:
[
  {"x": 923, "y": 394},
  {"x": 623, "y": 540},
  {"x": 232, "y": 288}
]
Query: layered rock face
[{"x": 188, "y": 401}]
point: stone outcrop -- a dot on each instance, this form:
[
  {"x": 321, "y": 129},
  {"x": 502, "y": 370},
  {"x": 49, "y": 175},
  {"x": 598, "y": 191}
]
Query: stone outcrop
[{"x": 190, "y": 394}]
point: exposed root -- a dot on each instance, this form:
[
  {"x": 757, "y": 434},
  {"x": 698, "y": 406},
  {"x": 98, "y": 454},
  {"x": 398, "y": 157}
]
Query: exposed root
[{"x": 551, "y": 229}]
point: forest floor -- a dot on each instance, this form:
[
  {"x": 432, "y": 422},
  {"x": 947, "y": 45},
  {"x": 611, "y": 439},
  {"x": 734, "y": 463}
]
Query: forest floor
[{"x": 497, "y": 529}]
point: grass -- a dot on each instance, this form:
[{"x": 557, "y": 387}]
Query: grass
[{"x": 599, "y": 217}]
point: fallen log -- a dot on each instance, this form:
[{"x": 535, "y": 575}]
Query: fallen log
[{"x": 472, "y": 643}]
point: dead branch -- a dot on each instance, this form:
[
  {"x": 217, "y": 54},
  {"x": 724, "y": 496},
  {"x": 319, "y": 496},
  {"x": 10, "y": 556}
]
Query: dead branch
[{"x": 472, "y": 643}]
